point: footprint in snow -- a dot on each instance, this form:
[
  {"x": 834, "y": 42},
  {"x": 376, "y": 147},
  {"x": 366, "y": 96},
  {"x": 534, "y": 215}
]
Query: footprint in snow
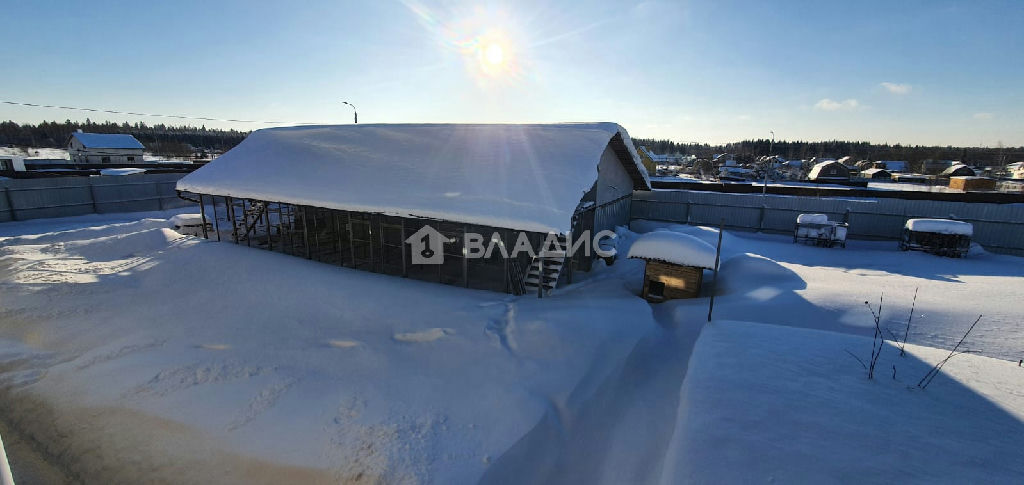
[
  {"x": 343, "y": 344},
  {"x": 428, "y": 335}
]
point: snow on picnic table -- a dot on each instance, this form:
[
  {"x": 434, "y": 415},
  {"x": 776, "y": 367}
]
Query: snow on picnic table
[{"x": 941, "y": 226}]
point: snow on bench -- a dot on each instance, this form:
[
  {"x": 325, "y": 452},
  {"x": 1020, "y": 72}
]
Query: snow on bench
[
  {"x": 940, "y": 226},
  {"x": 675, "y": 248},
  {"x": 183, "y": 220}
]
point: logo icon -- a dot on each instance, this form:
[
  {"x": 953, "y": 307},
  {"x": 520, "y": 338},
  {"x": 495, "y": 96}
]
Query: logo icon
[{"x": 427, "y": 246}]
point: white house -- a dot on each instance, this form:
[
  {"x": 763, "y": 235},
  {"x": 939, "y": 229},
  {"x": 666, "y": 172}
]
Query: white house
[
  {"x": 1016, "y": 170},
  {"x": 11, "y": 163},
  {"x": 104, "y": 148}
]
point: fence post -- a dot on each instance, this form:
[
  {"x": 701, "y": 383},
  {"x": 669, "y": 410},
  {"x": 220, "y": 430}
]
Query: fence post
[
  {"x": 10, "y": 203},
  {"x": 160, "y": 197},
  {"x": 92, "y": 195}
]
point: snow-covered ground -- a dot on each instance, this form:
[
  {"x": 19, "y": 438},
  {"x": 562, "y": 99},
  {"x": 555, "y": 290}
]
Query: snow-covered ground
[{"x": 130, "y": 353}]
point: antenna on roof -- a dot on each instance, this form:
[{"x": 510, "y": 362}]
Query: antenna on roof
[{"x": 355, "y": 114}]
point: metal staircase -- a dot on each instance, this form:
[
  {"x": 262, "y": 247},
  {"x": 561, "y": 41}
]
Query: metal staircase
[
  {"x": 251, "y": 218},
  {"x": 546, "y": 268}
]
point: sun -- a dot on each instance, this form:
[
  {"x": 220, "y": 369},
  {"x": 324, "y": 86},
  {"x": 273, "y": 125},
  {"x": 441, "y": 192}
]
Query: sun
[{"x": 494, "y": 54}]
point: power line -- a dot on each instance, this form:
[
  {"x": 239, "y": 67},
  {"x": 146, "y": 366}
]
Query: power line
[{"x": 183, "y": 117}]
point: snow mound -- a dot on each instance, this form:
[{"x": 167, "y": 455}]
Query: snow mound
[
  {"x": 672, "y": 247},
  {"x": 428, "y": 335},
  {"x": 812, "y": 416},
  {"x": 941, "y": 226},
  {"x": 812, "y": 219},
  {"x": 122, "y": 171},
  {"x": 186, "y": 220}
]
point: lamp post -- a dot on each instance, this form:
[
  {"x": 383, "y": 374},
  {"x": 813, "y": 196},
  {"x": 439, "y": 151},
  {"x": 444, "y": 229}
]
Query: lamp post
[
  {"x": 771, "y": 148},
  {"x": 355, "y": 114}
]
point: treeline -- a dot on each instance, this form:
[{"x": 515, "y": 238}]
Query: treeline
[
  {"x": 160, "y": 139},
  {"x": 838, "y": 149}
]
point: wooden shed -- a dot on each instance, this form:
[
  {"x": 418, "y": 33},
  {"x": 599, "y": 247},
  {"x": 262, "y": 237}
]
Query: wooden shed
[
  {"x": 675, "y": 264},
  {"x": 829, "y": 170},
  {"x": 957, "y": 170},
  {"x": 972, "y": 184}
]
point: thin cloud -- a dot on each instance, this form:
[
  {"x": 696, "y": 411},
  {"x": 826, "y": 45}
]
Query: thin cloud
[
  {"x": 982, "y": 116},
  {"x": 896, "y": 88},
  {"x": 832, "y": 105}
]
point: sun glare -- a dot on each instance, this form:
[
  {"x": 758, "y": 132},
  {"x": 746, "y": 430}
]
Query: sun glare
[
  {"x": 494, "y": 54},
  {"x": 489, "y": 40}
]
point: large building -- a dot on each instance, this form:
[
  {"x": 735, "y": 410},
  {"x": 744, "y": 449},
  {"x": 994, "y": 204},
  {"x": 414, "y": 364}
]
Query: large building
[
  {"x": 102, "y": 148},
  {"x": 363, "y": 195}
]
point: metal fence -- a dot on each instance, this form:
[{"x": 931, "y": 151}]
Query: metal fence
[
  {"x": 997, "y": 227},
  {"x": 72, "y": 196}
]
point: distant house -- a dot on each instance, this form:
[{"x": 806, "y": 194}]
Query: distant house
[
  {"x": 876, "y": 174},
  {"x": 792, "y": 169},
  {"x": 1016, "y": 170},
  {"x": 103, "y": 148},
  {"x": 935, "y": 167},
  {"x": 11, "y": 163},
  {"x": 863, "y": 165},
  {"x": 892, "y": 165},
  {"x": 957, "y": 170},
  {"x": 378, "y": 197},
  {"x": 725, "y": 160},
  {"x": 830, "y": 170}
]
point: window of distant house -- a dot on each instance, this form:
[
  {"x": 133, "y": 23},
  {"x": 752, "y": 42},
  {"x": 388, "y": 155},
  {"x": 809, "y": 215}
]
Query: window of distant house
[
  {"x": 131, "y": 159},
  {"x": 105, "y": 160},
  {"x": 6, "y": 165}
]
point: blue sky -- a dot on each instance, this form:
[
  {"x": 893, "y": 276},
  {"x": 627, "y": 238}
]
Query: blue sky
[{"x": 913, "y": 72}]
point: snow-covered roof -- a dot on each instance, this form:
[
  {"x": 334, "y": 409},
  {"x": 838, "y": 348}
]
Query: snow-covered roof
[
  {"x": 941, "y": 226},
  {"x": 957, "y": 167},
  {"x": 528, "y": 177},
  {"x": 818, "y": 167},
  {"x": 105, "y": 140},
  {"x": 872, "y": 171},
  {"x": 675, "y": 248}
]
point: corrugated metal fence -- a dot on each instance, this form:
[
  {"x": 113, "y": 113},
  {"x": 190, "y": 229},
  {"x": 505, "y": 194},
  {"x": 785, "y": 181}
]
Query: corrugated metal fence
[
  {"x": 23, "y": 199},
  {"x": 997, "y": 227}
]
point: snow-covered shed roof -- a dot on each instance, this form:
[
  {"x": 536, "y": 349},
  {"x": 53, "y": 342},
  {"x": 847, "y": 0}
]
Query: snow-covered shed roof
[
  {"x": 941, "y": 226},
  {"x": 528, "y": 177},
  {"x": 818, "y": 167},
  {"x": 872, "y": 171},
  {"x": 675, "y": 248},
  {"x": 105, "y": 140},
  {"x": 957, "y": 169}
]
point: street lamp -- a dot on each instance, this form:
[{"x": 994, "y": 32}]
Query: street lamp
[
  {"x": 771, "y": 148},
  {"x": 355, "y": 114}
]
